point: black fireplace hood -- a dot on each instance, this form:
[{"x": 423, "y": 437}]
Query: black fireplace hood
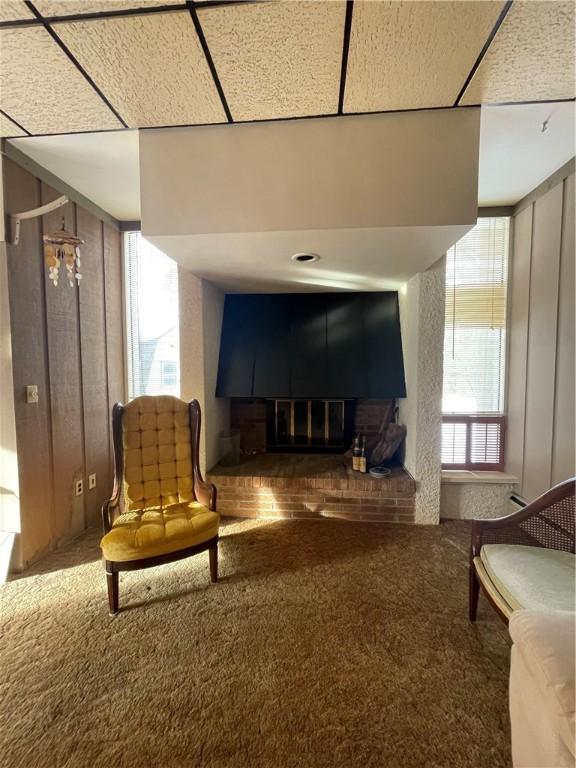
[{"x": 311, "y": 345}]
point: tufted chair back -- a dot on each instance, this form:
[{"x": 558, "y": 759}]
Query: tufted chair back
[{"x": 156, "y": 449}]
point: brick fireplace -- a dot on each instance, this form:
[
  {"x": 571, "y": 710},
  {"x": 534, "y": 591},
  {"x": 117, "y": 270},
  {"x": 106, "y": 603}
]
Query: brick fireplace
[
  {"x": 305, "y": 373},
  {"x": 310, "y": 484},
  {"x": 248, "y": 418}
]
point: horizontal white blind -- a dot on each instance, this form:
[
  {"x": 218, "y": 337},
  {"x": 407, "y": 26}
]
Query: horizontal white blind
[
  {"x": 475, "y": 335},
  {"x": 152, "y": 319},
  {"x": 475, "y": 345}
]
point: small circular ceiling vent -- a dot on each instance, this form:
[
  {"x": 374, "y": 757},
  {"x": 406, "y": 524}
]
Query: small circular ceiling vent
[{"x": 305, "y": 258}]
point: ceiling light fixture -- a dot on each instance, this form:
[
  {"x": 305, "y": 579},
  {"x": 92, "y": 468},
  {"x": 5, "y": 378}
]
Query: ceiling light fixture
[{"x": 305, "y": 258}]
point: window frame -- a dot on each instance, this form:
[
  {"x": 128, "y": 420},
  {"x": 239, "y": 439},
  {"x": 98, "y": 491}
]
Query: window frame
[
  {"x": 499, "y": 419},
  {"x": 127, "y": 318}
]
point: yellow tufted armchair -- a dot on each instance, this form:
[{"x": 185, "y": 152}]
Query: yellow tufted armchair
[{"x": 169, "y": 511}]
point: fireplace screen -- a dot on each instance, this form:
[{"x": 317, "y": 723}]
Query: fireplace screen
[{"x": 306, "y": 424}]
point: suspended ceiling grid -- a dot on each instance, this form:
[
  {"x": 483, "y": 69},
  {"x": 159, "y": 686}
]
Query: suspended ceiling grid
[{"x": 69, "y": 66}]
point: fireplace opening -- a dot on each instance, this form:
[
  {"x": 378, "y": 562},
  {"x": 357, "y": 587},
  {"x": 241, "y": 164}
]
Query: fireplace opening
[{"x": 315, "y": 426}]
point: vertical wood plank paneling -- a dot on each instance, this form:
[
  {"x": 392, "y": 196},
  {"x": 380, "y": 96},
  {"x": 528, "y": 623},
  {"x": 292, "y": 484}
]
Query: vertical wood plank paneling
[
  {"x": 541, "y": 367},
  {"x": 518, "y": 344},
  {"x": 113, "y": 281},
  {"x": 30, "y": 366},
  {"x": 65, "y": 386},
  {"x": 93, "y": 361},
  {"x": 564, "y": 422}
]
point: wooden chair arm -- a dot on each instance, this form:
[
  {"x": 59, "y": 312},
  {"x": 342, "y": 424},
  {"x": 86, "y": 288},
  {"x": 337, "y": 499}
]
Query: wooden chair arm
[
  {"x": 516, "y": 528},
  {"x": 108, "y": 516},
  {"x": 205, "y": 493}
]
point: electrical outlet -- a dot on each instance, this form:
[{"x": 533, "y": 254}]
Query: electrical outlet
[
  {"x": 92, "y": 481},
  {"x": 79, "y": 487},
  {"x": 31, "y": 393}
]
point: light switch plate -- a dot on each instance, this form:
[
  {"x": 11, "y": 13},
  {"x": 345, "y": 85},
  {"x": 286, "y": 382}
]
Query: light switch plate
[
  {"x": 92, "y": 481},
  {"x": 31, "y": 393}
]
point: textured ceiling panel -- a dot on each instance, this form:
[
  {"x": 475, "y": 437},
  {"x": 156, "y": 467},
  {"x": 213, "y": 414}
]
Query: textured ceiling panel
[
  {"x": 8, "y": 128},
  {"x": 43, "y": 90},
  {"x": 277, "y": 59},
  {"x": 11, "y": 10},
  {"x": 67, "y": 7},
  {"x": 530, "y": 59},
  {"x": 407, "y": 55},
  {"x": 151, "y": 68}
]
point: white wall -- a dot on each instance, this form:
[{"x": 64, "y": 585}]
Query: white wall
[
  {"x": 357, "y": 171},
  {"x": 422, "y": 321},
  {"x": 541, "y": 385},
  {"x": 201, "y": 309}
]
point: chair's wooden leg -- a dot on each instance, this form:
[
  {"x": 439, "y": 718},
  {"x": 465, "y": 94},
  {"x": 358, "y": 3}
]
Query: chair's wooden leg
[
  {"x": 112, "y": 581},
  {"x": 213, "y": 554},
  {"x": 473, "y": 594}
]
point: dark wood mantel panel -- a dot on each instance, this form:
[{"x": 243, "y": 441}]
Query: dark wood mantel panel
[{"x": 312, "y": 345}]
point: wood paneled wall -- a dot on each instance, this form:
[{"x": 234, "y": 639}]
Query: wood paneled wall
[
  {"x": 69, "y": 342},
  {"x": 541, "y": 387}
]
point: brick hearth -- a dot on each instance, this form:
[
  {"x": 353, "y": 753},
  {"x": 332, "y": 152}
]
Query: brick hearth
[{"x": 311, "y": 486}]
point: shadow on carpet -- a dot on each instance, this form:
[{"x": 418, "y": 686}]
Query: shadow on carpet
[{"x": 325, "y": 643}]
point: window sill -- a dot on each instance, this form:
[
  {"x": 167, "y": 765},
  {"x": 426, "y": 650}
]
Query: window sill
[{"x": 462, "y": 476}]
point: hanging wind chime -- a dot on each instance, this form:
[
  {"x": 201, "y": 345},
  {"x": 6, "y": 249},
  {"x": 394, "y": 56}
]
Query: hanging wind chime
[{"x": 63, "y": 248}]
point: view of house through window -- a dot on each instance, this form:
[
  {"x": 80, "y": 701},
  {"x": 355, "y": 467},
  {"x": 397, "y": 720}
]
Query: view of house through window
[
  {"x": 475, "y": 347},
  {"x": 152, "y": 319}
]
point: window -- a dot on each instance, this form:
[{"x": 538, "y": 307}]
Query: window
[
  {"x": 152, "y": 319},
  {"x": 475, "y": 348}
]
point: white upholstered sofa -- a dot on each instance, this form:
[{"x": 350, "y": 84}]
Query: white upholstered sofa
[{"x": 542, "y": 689}]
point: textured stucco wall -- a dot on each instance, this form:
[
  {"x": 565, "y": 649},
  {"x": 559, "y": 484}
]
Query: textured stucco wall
[
  {"x": 201, "y": 307},
  {"x": 469, "y": 501},
  {"x": 422, "y": 321}
]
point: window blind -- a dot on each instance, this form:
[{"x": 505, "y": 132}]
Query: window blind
[
  {"x": 152, "y": 319},
  {"x": 475, "y": 345}
]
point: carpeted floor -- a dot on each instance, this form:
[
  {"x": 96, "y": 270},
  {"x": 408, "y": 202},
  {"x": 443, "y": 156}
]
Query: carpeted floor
[{"x": 325, "y": 644}]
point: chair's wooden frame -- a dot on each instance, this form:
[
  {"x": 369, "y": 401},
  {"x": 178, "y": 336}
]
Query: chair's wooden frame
[
  {"x": 548, "y": 521},
  {"x": 204, "y": 492}
]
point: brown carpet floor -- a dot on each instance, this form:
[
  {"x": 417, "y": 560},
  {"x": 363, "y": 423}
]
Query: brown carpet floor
[{"x": 325, "y": 644}]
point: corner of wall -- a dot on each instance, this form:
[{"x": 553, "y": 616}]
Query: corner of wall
[
  {"x": 201, "y": 310},
  {"x": 422, "y": 321}
]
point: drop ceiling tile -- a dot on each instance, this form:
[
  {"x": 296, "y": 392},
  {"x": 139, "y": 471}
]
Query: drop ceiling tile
[
  {"x": 8, "y": 128},
  {"x": 530, "y": 59},
  {"x": 42, "y": 89},
  {"x": 409, "y": 55},
  {"x": 13, "y": 10},
  {"x": 277, "y": 59},
  {"x": 151, "y": 68},
  {"x": 67, "y": 7}
]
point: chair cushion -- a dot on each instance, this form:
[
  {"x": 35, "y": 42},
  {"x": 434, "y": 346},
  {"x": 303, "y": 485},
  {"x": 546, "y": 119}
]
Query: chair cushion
[
  {"x": 531, "y": 577},
  {"x": 147, "y": 533}
]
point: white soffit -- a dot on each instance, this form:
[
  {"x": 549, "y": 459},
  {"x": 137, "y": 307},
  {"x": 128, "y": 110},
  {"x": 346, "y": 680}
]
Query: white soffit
[
  {"x": 68, "y": 7},
  {"x": 406, "y": 55},
  {"x": 12, "y": 10},
  {"x": 103, "y": 167},
  {"x": 277, "y": 59},
  {"x": 531, "y": 58},
  {"x": 63, "y": 101},
  {"x": 350, "y": 259},
  {"x": 151, "y": 67},
  {"x": 516, "y": 155},
  {"x": 9, "y": 128}
]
